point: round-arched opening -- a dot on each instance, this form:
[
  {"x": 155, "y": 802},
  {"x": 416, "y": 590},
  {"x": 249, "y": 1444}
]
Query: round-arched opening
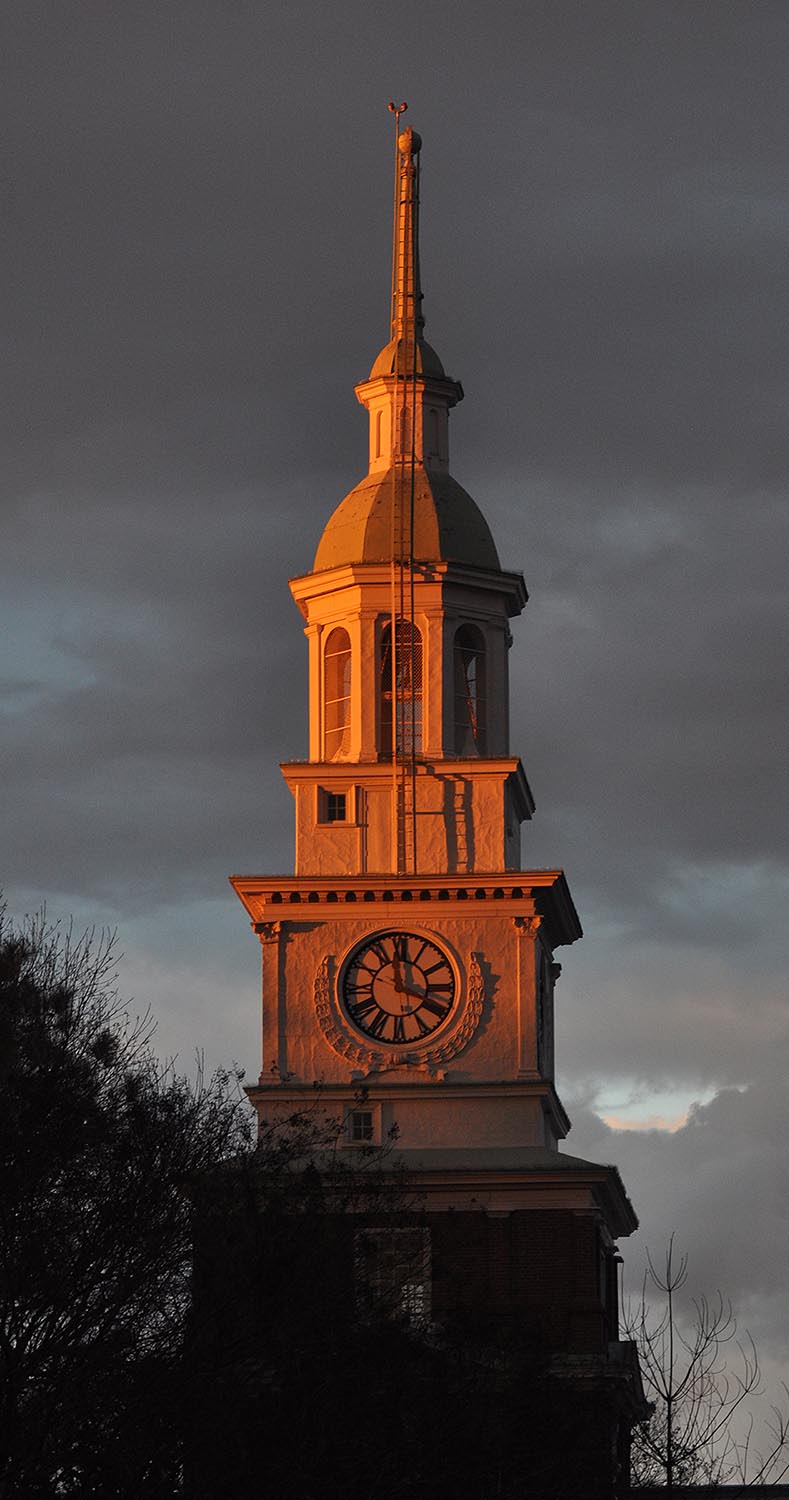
[
  {"x": 470, "y": 715},
  {"x": 400, "y": 695},
  {"x": 337, "y": 694}
]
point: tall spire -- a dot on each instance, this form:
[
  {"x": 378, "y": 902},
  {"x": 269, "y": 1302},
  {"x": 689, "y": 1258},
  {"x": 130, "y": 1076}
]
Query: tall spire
[
  {"x": 407, "y": 393},
  {"x": 407, "y": 322}
]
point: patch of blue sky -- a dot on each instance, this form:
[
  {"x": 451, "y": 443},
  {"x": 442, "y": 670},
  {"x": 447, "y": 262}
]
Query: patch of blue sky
[{"x": 635, "y": 1106}]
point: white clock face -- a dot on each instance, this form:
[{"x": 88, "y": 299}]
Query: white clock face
[{"x": 398, "y": 987}]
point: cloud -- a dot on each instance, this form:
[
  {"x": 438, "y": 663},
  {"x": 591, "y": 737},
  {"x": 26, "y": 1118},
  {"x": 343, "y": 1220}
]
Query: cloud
[
  {"x": 196, "y": 215},
  {"x": 721, "y": 1185}
]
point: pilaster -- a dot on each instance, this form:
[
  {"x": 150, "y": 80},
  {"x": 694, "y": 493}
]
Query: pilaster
[{"x": 273, "y": 1029}]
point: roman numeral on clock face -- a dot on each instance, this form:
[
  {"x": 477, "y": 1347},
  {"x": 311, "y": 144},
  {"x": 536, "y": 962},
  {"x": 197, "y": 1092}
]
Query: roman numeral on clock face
[
  {"x": 434, "y": 1006},
  {"x": 378, "y": 1023},
  {"x": 364, "y": 1008}
]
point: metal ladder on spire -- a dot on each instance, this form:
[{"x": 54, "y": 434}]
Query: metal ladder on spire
[{"x": 406, "y": 653}]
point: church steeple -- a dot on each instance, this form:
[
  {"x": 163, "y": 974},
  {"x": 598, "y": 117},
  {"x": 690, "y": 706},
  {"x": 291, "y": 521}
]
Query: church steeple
[
  {"x": 408, "y": 961},
  {"x": 407, "y": 611},
  {"x": 408, "y": 809}
]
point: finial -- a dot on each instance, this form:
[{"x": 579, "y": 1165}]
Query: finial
[
  {"x": 409, "y": 141},
  {"x": 406, "y": 301}
]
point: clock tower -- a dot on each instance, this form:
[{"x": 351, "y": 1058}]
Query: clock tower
[{"x": 409, "y": 961}]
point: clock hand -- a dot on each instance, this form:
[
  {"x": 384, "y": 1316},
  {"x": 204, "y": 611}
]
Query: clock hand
[
  {"x": 401, "y": 988},
  {"x": 399, "y": 983}
]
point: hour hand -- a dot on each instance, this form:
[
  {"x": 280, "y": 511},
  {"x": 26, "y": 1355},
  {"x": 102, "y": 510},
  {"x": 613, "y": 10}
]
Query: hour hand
[{"x": 401, "y": 984}]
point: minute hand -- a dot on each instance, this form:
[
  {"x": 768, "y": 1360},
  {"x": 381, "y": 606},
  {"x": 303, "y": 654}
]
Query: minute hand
[{"x": 436, "y": 1003}]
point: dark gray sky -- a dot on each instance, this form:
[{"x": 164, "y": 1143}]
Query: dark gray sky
[{"x": 196, "y": 204}]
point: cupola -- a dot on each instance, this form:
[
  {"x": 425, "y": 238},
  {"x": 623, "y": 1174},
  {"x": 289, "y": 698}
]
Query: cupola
[{"x": 408, "y": 398}]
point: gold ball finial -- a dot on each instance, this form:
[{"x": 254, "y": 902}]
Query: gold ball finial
[{"x": 409, "y": 142}]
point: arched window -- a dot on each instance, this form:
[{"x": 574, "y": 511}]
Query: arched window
[
  {"x": 470, "y": 704},
  {"x": 403, "y": 427},
  {"x": 337, "y": 694},
  {"x": 401, "y": 683}
]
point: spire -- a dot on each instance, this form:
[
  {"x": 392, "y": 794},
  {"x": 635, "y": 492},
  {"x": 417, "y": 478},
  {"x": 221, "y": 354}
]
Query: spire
[
  {"x": 407, "y": 393},
  {"x": 407, "y": 321},
  {"x": 407, "y": 353}
]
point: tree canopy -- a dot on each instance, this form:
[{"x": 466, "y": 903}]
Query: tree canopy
[{"x": 99, "y": 1144}]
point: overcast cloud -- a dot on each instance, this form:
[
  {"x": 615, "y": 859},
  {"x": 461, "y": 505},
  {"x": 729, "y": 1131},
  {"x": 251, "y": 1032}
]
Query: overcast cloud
[{"x": 196, "y": 229}]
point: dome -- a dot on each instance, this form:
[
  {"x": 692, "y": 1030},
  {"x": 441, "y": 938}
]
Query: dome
[
  {"x": 427, "y": 361},
  {"x": 448, "y": 525}
]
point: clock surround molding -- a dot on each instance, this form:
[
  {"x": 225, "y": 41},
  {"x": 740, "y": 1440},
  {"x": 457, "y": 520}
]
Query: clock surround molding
[{"x": 431, "y": 1053}]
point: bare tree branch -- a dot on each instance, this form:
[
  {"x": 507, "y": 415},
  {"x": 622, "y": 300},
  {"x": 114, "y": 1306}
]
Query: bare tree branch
[{"x": 700, "y": 1376}]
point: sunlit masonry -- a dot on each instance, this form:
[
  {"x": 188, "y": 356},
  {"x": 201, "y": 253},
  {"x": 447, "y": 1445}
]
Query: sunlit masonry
[{"x": 408, "y": 963}]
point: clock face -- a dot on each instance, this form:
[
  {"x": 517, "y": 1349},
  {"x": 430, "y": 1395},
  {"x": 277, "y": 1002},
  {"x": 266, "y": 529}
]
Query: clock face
[{"x": 398, "y": 987}]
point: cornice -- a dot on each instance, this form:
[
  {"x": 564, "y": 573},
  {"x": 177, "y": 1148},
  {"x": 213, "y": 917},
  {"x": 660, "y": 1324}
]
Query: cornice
[
  {"x": 299, "y": 898},
  {"x": 442, "y": 386},
  {"x": 356, "y": 575},
  {"x": 602, "y": 1182}
]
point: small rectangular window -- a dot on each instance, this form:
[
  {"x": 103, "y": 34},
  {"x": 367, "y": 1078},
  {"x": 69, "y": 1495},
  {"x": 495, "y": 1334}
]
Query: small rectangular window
[
  {"x": 393, "y": 1274},
  {"x": 334, "y": 807},
  {"x": 361, "y": 1126}
]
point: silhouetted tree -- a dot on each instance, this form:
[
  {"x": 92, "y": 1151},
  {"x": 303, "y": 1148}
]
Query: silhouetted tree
[
  {"x": 700, "y": 1378},
  {"x": 98, "y": 1146}
]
